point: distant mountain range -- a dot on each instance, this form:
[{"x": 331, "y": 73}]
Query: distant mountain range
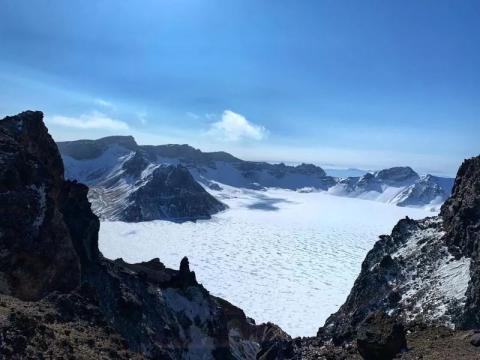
[{"x": 132, "y": 182}]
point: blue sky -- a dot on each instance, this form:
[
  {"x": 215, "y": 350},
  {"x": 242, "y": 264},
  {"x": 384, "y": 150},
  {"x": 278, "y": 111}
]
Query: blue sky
[{"x": 352, "y": 83}]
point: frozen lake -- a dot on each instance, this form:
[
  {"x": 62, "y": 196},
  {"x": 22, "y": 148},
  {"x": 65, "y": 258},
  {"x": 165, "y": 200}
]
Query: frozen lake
[{"x": 282, "y": 256}]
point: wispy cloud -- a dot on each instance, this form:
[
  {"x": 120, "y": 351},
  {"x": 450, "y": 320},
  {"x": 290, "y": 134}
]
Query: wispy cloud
[
  {"x": 235, "y": 127},
  {"x": 142, "y": 116},
  {"x": 93, "y": 120},
  {"x": 193, "y": 115},
  {"x": 104, "y": 103}
]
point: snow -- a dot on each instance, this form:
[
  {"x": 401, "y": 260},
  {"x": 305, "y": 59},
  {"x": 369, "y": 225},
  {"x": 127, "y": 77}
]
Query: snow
[
  {"x": 282, "y": 256},
  {"x": 102, "y": 167},
  {"x": 42, "y": 203},
  {"x": 454, "y": 277},
  {"x": 387, "y": 195},
  {"x": 230, "y": 174},
  {"x": 435, "y": 282},
  {"x": 195, "y": 307}
]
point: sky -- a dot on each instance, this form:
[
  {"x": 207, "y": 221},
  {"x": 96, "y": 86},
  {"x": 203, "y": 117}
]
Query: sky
[{"x": 366, "y": 84}]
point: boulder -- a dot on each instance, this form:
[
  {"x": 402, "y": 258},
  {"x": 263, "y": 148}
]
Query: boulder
[
  {"x": 380, "y": 337},
  {"x": 475, "y": 339}
]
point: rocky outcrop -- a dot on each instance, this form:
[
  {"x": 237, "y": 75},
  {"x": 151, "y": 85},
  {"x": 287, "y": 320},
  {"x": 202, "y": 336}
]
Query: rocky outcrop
[
  {"x": 91, "y": 149},
  {"x": 37, "y": 250},
  {"x": 461, "y": 215},
  {"x": 380, "y": 337},
  {"x": 424, "y": 272},
  {"x": 397, "y": 175},
  {"x": 427, "y": 190},
  {"x": 60, "y": 326},
  {"x": 170, "y": 193},
  {"x": 49, "y": 255}
]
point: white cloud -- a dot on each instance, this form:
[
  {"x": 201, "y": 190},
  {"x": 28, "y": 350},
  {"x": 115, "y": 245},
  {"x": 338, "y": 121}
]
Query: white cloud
[
  {"x": 94, "y": 120},
  {"x": 235, "y": 127},
  {"x": 104, "y": 103}
]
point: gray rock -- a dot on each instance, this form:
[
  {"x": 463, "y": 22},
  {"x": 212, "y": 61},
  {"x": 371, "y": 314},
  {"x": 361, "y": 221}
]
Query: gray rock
[
  {"x": 380, "y": 337},
  {"x": 475, "y": 340}
]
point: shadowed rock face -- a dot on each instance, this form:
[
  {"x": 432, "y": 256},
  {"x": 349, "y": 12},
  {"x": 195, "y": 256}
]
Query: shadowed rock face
[
  {"x": 461, "y": 214},
  {"x": 170, "y": 193},
  {"x": 397, "y": 175},
  {"x": 90, "y": 149},
  {"x": 49, "y": 243},
  {"x": 380, "y": 337},
  {"x": 37, "y": 249}
]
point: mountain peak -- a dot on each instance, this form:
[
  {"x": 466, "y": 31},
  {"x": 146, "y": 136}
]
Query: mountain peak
[{"x": 89, "y": 149}]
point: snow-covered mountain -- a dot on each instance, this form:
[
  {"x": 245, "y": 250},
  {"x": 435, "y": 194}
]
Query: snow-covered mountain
[
  {"x": 125, "y": 184},
  {"x": 398, "y": 185},
  {"x": 134, "y": 182}
]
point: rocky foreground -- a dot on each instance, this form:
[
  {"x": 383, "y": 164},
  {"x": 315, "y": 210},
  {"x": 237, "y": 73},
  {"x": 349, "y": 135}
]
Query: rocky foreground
[
  {"x": 62, "y": 299},
  {"x": 417, "y": 296}
]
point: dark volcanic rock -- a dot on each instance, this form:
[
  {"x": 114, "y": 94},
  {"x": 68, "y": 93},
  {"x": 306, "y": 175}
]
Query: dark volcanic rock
[
  {"x": 397, "y": 175},
  {"x": 380, "y": 337},
  {"x": 136, "y": 164},
  {"x": 475, "y": 340},
  {"x": 90, "y": 149},
  {"x": 372, "y": 290},
  {"x": 368, "y": 182},
  {"x": 461, "y": 212},
  {"x": 38, "y": 254},
  {"x": 82, "y": 224},
  {"x": 461, "y": 215},
  {"x": 429, "y": 188},
  {"x": 60, "y": 326},
  {"x": 170, "y": 193}
]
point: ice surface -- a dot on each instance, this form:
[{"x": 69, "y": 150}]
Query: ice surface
[{"x": 282, "y": 256}]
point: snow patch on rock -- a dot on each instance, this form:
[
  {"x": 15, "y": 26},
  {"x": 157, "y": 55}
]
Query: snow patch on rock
[
  {"x": 42, "y": 204},
  {"x": 435, "y": 282}
]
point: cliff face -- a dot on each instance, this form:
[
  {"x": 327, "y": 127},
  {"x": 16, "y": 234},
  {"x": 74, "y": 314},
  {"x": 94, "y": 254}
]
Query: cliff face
[
  {"x": 425, "y": 271},
  {"x": 461, "y": 215},
  {"x": 38, "y": 253},
  {"x": 49, "y": 255}
]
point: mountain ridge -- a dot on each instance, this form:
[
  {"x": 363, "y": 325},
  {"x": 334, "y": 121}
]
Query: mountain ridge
[{"x": 99, "y": 163}]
